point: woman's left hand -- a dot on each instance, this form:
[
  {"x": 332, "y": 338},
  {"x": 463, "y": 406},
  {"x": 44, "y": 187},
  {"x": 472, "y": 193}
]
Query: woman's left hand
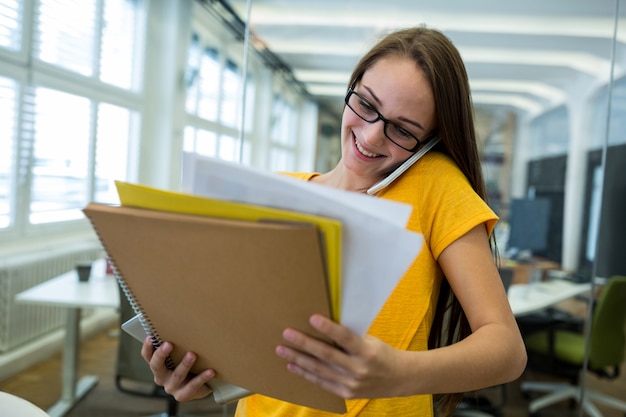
[{"x": 356, "y": 367}]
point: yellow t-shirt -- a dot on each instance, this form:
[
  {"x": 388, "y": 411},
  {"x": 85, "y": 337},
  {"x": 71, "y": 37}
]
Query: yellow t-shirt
[{"x": 444, "y": 208}]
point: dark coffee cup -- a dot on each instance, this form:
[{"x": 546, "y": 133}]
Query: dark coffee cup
[{"x": 84, "y": 271}]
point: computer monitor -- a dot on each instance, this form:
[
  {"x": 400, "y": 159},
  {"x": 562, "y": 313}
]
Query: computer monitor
[{"x": 529, "y": 223}]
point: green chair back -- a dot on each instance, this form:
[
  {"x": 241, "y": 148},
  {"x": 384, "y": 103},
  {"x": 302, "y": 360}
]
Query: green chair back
[{"x": 608, "y": 331}]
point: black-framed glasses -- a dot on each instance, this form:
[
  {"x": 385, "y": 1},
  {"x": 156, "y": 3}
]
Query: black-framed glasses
[{"x": 395, "y": 133}]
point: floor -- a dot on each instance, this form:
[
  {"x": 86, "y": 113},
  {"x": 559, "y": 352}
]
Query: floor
[{"x": 41, "y": 385}]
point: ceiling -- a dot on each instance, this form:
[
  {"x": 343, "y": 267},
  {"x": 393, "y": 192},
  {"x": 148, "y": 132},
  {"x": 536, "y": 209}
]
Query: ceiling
[{"x": 526, "y": 57}]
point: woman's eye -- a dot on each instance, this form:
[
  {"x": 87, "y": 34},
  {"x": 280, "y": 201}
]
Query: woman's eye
[
  {"x": 400, "y": 132},
  {"x": 367, "y": 107}
]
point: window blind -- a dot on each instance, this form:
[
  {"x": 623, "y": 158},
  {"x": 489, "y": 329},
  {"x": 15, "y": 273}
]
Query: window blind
[
  {"x": 11, "y": 24},
  {"x": 67, "y": 140},
  {"x": 66, "y": 34}
]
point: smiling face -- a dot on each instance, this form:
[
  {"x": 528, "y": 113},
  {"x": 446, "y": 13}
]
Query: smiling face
[{"x": 399, "y": 91}]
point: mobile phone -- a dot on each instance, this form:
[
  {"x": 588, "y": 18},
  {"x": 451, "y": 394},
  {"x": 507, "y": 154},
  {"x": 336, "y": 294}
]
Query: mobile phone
[{"x": 374, "y": 189}]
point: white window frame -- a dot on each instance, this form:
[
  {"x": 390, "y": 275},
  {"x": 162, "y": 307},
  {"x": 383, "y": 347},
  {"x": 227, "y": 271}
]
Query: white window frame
[{"x": 29, "y": 72}]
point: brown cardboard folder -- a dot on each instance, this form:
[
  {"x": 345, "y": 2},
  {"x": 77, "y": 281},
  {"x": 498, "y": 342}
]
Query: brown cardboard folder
[{"x": 224, "y": 289}]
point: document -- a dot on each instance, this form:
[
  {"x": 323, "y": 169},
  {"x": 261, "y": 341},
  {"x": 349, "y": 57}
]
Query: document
[{"x": 376, "y": 248}]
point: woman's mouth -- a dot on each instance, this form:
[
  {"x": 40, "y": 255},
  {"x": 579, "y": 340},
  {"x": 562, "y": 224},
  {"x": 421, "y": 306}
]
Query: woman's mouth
[{"x": 364, "y": 152}]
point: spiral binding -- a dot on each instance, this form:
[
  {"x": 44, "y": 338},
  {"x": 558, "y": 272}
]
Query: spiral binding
[{"x": 147, "y": 325}]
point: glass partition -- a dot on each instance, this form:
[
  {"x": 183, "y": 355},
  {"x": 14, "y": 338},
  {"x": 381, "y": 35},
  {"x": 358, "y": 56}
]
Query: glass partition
[{"x": 549, "y": 93}]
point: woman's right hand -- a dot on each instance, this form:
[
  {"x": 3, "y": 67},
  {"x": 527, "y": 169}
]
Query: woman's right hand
[{"x": 179, "y": 383}]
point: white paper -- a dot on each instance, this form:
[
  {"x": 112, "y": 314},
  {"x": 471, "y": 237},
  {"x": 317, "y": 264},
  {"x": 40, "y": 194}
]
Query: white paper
[{"x": 376, "y": 247}]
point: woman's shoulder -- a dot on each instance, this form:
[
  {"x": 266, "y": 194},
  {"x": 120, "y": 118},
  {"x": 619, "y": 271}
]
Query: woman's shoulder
[
  {"x": 436, "y": 163},
  {"x": 433, "y": 169}
]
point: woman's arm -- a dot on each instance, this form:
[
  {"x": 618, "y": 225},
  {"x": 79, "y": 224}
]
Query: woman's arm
[
  {"x": 494, "y": 353},
  {"x": 368, "y": 368}
]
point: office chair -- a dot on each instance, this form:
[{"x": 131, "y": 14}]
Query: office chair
[
  {"x": 561, "y": 352},
  {"x": 133, "y": 375}
]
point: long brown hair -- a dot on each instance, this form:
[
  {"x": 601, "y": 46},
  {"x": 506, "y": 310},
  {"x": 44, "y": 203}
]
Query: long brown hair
[{"x": 442, "y": 65}]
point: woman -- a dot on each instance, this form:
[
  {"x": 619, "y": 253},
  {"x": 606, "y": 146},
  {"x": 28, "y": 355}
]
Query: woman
[{"x": 448, "y": 327}]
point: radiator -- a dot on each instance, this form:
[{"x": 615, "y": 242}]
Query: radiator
[{"x": 21, "y": 322}]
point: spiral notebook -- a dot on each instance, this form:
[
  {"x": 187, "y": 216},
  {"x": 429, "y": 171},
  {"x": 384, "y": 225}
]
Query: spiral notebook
[{"x": 224, "y": 289}]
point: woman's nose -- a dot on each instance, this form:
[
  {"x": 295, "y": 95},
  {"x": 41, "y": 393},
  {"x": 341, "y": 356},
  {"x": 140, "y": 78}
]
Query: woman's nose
[{"x": 374, "y": 134}]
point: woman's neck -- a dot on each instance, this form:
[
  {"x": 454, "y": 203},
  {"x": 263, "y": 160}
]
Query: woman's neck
[{"x": 337, "y": 178}]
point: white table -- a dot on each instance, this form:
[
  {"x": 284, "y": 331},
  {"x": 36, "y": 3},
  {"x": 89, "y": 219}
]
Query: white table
[
  {"x": 66, "y": 291},
  {"x": 530, "y": 298}
]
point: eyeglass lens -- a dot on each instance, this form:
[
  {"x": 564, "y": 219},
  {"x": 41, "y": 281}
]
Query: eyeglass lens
[{"x": 398, "y": 135}]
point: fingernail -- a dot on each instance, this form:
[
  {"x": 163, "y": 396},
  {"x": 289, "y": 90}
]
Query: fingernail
[
  {"x": 315, "y": 320},
  {"x": 281, "y": 351},
  {"x": 289, "y": 335}
]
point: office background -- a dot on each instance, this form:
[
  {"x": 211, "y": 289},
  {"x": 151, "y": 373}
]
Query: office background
[{"x": 94, "y": 91}]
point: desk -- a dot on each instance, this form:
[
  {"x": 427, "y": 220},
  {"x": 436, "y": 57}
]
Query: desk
[
  {"x": 523, "y": 271},
  {"x": 66, "y": 291},
  {"x": 529, "y": 298}
]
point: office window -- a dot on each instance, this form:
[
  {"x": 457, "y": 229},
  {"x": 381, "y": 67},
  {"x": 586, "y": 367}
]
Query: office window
[
  {"x": 8, "y": 92},
  {"x": 122, "y": 36},
  {"x": 282, "y": 160},
  {"x": 203, "y": 86},
  {"x": 60, "y": 156},
  {"x": 75, "y": 92},
  {"x": 62, "y": 39},
  {"x": 200, "y": 141},
  {"x": 213, "y": 101},
  {"x": 78, "y": 37},
  {"x": 66, "y": 129},
  {"x": 116, "y": 127},
  {"x": 229, "y": 148},
  {"x": 231, "y": 86},
  {"x": 283, "y": 134}
]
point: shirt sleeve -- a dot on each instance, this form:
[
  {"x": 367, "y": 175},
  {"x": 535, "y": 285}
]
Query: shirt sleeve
[{"x": 445, "y": 206}]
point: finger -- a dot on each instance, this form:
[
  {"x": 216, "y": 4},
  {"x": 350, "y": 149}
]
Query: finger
[
  {"x": 160, "y": 355},
  {"x": 330, "y": 354},
  {"x": 311, "y": 346},
  {"x": 157, "y": 363},
  {"x": 338, "y": 387},
  {"x": 182, "y": 370},
  {"x": 332, "y": 379},
  {"x": 147, "y": 349},
  {"x": 309, "y": 363},
  {"x": 196, "y": 387},
  {"x": 341, "y": 335},
  {"x": 329, "y": 373}
]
